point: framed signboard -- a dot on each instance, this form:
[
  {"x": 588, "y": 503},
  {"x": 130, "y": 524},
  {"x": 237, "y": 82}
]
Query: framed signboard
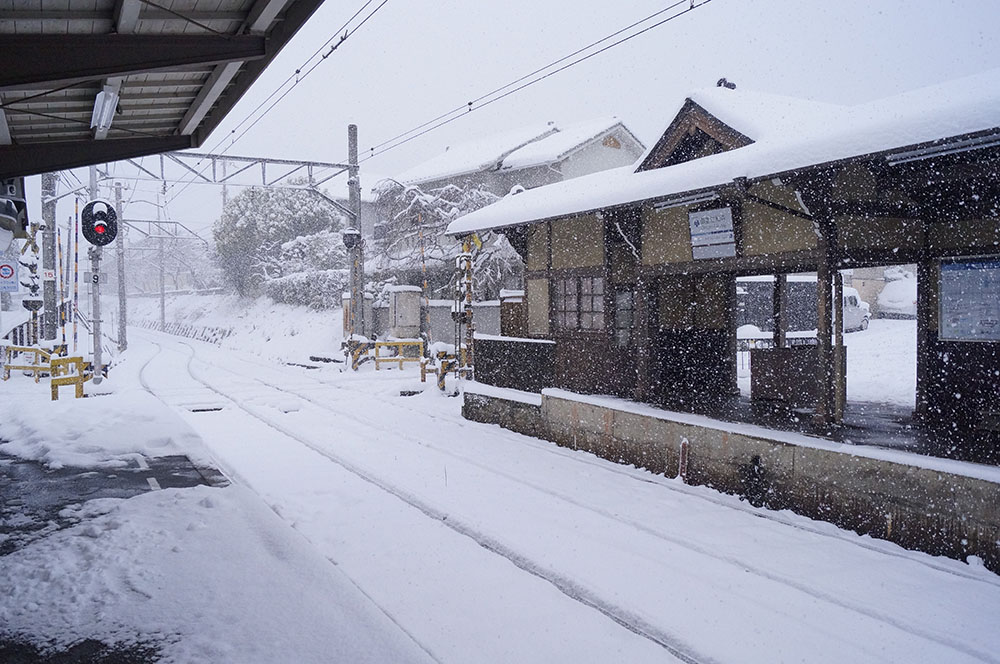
[
  {"x": 712, "y": 233},
  {"x": 970, "y": 300}
]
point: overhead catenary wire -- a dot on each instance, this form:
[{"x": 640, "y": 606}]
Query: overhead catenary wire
[
  {"x": 507, "y": 90},
  {"x": 340, "y": 35},
  {"x": 465, "y": 107},
  {"x": 309, "y": 71}
]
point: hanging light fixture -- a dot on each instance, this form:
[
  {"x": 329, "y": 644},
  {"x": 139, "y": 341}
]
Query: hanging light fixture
[{"x": 104, "y": 109}]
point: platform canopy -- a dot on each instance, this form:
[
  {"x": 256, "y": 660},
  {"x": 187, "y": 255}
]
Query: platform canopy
[{"x": 152, "y": 76}]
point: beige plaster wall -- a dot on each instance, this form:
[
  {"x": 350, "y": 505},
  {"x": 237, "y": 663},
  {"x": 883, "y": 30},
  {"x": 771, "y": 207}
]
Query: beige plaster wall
[
  {"x": 538, "y": 247},
  {"x": 577, "y": 242},
  {"x": 536, "y": 293},
  {"x": 666, "y": 236}
]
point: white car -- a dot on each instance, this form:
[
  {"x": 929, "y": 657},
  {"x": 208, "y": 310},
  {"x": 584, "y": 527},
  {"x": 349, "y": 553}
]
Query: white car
[{"x": 898, "y": 299}]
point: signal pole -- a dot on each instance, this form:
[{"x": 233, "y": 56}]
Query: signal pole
[{"x": 49, "y": 257}]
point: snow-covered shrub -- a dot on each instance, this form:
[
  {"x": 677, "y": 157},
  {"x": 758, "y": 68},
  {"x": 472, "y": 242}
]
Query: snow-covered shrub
[
  {"x": 265, "y": 234},
  {"x": 321, "y": 289}
]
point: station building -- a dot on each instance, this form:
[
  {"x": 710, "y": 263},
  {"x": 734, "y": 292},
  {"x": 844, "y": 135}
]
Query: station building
[{"x": 630, "y": 273}]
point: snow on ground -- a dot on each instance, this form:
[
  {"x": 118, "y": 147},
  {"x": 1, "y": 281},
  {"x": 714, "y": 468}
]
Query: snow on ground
[
  {"x": 881, "y": 363},
  {"x": 210, "y": 575},
  {"x": 399, "y": 531},
  {"x": 260, "y": 326}
]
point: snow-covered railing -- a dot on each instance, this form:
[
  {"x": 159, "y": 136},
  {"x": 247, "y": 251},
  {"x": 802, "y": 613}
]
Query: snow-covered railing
[{"x": 213, "y": 335}]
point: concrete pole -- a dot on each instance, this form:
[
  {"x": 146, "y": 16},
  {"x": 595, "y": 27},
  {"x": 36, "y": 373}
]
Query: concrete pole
[
  {"x": 122, "y": 297},
  {"x": 95, "y": 285},
  {"x": 49, "y": 258},
  {"x": 163, "y": 278},
  {"x": 356, "y": 253},
  {"x": 163, "y": 296},
  {"x": 95, "y": 271}
]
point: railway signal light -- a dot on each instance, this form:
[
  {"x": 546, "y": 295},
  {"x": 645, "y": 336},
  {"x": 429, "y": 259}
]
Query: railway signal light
[{"x": 99, "y": 223}]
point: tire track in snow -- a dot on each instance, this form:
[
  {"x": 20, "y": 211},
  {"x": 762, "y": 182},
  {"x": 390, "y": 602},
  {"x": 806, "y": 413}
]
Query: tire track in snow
[{"x": 622, "y": 616}]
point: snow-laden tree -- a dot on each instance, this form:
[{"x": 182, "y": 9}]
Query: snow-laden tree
[
  {"x": 268, "y": 234},
  {"x": 411, "y": 234},
  {"x": 186, "y": 264}
]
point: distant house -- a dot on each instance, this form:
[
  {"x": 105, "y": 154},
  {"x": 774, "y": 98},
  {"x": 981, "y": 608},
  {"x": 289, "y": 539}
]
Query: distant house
[{"x": 530, "y": 157}]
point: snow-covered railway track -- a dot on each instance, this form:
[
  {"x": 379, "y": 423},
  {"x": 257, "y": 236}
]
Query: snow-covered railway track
[
  {"x": 237, "y": 392},
  {"x": 785, "y": 519},
  {"x": 567, "y": 586}
]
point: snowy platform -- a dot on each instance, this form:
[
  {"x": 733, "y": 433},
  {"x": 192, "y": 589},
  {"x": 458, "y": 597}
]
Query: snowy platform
[{"x": 36, "y": 500}]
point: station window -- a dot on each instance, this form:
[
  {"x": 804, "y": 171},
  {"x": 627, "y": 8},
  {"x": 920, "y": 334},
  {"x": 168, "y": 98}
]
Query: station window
[
  {"x": 624, "y": 318},
  {"x": 579, "y": 303}
]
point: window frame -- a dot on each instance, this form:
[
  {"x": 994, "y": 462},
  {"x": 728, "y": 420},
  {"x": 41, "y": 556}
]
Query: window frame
[
  {"x": 619, "y": 325},
  {"x": 579, "y": 303}
]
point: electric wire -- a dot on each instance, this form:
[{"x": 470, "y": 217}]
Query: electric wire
[
  {"x": 506, "y": 90},
  {"x": 291, "y": 76},
  {"x": 297, "y": 79},
  {"x": 445, "y": 119},
  {"x": 464, "y": 107},
  {"x": 308, "y": 71}
]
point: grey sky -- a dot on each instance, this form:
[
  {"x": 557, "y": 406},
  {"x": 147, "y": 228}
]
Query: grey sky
[{"x": 414, "y": 60}]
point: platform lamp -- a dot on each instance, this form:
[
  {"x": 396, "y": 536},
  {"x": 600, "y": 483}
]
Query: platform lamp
[{"x": 105, "y": 105}]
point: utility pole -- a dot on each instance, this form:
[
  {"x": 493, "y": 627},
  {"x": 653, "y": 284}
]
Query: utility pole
[
  {"x": 122, "y": 298},
  {"x": 356, "y": 248},
  {"x": 95, "y": 285},
  {"x": 163, "y": 277},
  {"x": 49, "y": 258}
]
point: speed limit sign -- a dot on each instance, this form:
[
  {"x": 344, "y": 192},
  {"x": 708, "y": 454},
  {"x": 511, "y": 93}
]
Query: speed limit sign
[{"x": 8, "y": 277}]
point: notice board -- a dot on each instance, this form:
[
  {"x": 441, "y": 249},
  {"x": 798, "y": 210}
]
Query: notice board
[
  {"x": 970, "y": 300},
  {"x": 712, "y": 233}
]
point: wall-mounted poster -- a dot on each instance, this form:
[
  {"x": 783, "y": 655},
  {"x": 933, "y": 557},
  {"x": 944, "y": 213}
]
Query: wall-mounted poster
[
  {"x": 712, "y": 233},
  {"x": 970, "y": 300}
]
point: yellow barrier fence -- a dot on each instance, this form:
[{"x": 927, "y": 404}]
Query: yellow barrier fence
[
  {"x": 36, "y": 367},
  {"x": 400, "y": 348},
  {"x": 68, "y": 371}
]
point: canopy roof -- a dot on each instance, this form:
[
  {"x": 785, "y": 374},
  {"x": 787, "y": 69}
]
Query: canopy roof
[
  {"x": 178, "y": 66},
  {"x": 788, "y": 137}
]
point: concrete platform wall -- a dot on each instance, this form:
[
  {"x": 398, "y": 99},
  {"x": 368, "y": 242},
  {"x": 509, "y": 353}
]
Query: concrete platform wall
[{"x": 942, "y": 513}]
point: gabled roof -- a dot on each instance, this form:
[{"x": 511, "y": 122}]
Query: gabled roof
[
  {"x": 564, "y": 142},
  {"x": 482, "y": 154},
  {"x": 735, "y": 118},
  {"x": 521, "y": 148},
  {"x": 956, "y": 115}
]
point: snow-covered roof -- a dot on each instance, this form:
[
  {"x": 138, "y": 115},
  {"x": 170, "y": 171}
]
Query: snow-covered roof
[
  {"x": 559, "y": 145},
  {"x": 521, "y": 148},
  {"x": 757, "y": 115},
  {"x": 484, "y": 153},
  {"x": 825, "y": 135}
]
